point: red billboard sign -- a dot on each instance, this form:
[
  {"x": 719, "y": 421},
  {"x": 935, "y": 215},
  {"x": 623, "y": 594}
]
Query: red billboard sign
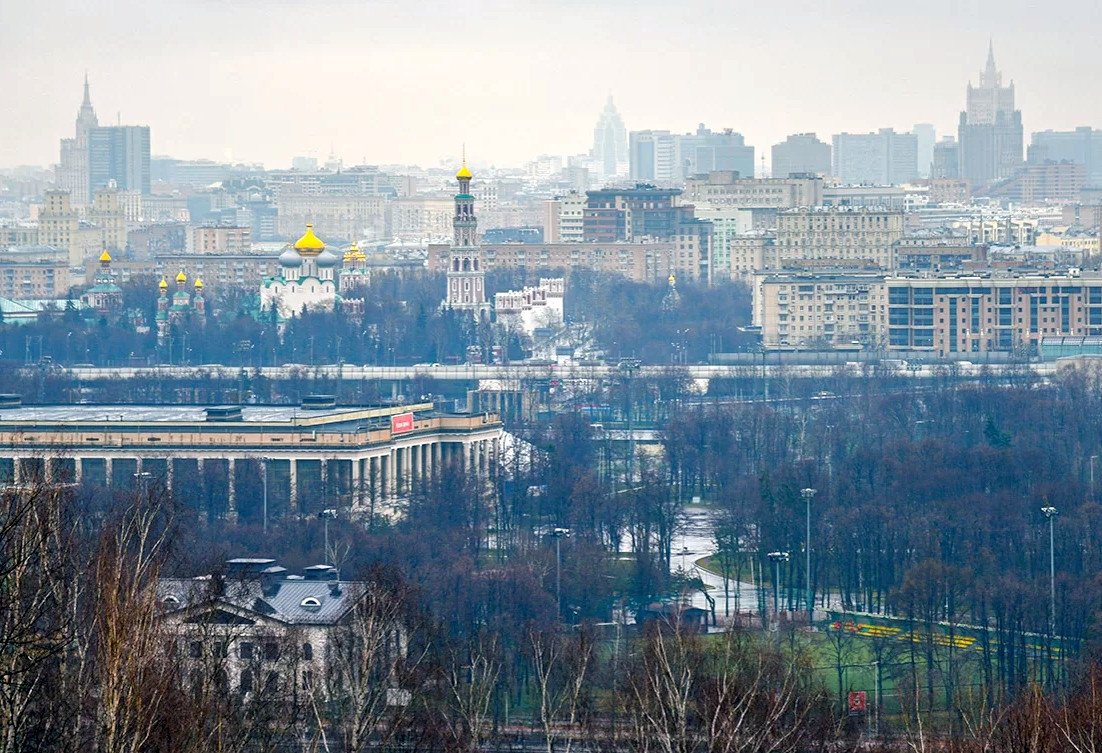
[
  {"x": 858, "y": 702},
  {"x": 401, "y": 424}
]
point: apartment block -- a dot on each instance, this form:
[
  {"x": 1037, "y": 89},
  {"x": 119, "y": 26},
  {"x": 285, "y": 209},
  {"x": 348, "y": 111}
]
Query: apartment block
[
  {"x": 30, "y": 272},
  {"x": 643, "y": 262},
  {"x": 221, "y": 240},
  {"x": 838, "y": 237},
  {"x": 976, "y": 312},
  {"x": 819, "y": 310}
]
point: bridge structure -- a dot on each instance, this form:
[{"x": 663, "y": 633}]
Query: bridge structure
[{"x": 515, "y": 373}]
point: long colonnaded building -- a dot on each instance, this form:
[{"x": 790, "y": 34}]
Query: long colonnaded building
[{"x": 299, "y": 458}]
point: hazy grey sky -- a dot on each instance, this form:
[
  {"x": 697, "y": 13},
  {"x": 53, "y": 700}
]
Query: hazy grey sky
[{"x": 410, "y": 80}]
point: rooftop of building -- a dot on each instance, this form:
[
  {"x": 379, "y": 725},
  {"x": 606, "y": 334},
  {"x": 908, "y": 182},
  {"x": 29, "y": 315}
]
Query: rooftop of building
[
  {"x": 316, "y": 596},
  {"x": 248, "y": 418}
]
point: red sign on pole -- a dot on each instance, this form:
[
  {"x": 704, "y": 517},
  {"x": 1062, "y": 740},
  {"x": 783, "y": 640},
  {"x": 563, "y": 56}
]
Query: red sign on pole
[
  {"x": 858, "y": 702},
  {"x": 401, "y": 424}
]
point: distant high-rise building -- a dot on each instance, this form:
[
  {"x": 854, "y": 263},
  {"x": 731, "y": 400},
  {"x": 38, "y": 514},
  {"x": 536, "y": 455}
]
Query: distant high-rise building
[
  {"x": 926, "y": 136},
  {"x": 801, "y": 153},
  {"x": 707, "y": 151},
  {"x": 610, "y": 142},
  {"x": 667, "y": 158},
  {"x": 653, "y": 156},
  {"x": 946, "y": 163},
  {"x": 990, "y": 130},
  {"x": 1082, "y": 146},
  {"x": 883, "y": 158},
  {"x": 72, "y": 170},
  {"x": 119, "y": 154}
]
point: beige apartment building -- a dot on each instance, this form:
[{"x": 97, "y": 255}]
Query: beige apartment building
[
  {"x": 107, "y": 218},
  {"x": 563, "y": 218},
  {"x": 59, "y": 224},
  {"x": 642, "y": 262},
  {"x": 724, "y": 188},
  {"x": 840, "y": 237},
  {"x": 32, "y": 272},
  {"x": 819, "y": 309},
  {"x": 993, "y": 310},
  {"x": 221, "y": 240},
  {"x": 18, "y": 234},
  {"x": 751, "y": 253},
  {"x": 418, "y": 217},
  {"x": 347, "y": 217}
]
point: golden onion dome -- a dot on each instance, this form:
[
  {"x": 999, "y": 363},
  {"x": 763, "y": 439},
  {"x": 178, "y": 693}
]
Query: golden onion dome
[
  {"x": 105, "y": 257},
  {"x": 198, "y": 284},
  {"x": 464, "y": 173},
  {"x": 163, "y": 284},
  {"x": 309, "y": 241},
  {"x": 672, "y": 280},
  {"x": 181, "y": 278},
  {"x": 354, "y": 254}
]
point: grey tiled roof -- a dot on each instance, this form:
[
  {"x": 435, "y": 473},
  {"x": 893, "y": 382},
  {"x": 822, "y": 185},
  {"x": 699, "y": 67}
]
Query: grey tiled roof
[{"x": 281, "y": 601}]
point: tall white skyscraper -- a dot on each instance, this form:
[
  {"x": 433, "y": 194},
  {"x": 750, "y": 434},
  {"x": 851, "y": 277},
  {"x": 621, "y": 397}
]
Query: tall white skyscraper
[
  {"x": 72, "y": 169},
  {"x": 610, "y": 143}
]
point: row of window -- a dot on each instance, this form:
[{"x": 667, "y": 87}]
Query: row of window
[{"x": 246, "y": 650}]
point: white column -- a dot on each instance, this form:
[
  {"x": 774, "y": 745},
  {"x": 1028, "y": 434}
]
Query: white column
[
  {"x": 357, "y": 491},
  {"x": 231, "y": 489},
  {"x": 78, "y": 469},
  {"x": 390, "y": 475},
  {"x": 324, "y": 478},
  {"x": 107, "y": 471},
  {"x": 292, "y": 502},
  {"x": 168, "y": 473},
  {"x": 16, "y": 471}
]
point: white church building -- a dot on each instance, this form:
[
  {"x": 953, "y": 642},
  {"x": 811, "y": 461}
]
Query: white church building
[{"x": 307, "y": 279}]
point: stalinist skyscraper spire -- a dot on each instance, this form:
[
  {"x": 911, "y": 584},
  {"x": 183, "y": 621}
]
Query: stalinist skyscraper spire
[
  {"x": 72, "y": 169},
  {"x": 990, "y": 129}
]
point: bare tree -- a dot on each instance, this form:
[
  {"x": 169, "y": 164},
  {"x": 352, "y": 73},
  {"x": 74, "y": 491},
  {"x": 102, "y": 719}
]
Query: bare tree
[
  {"x": 36, "y": 574},
  {"x": 470, "y": 678},
  {"x": 132, "y": 677},
  {"x": 368, "y": 658},
  {"x": 562, "y": 667}
]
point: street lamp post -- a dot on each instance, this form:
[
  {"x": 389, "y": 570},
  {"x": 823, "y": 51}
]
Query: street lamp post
[
  {"x": 264, "y": 477},
  {"x": 807, "y": 494},
  {"x": 777, "y": 558},
  {"x": 1051, "y": 513},
  {"x": 327, "y": 515},
  {"x": 557, "y": 534}
]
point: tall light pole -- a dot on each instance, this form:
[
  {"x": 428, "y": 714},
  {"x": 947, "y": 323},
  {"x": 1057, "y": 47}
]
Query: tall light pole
[
  {"x": 777, "y": 558},
  {"x": 557, "y": 534},
  {"x": 327, "y": 515},
  {"x": 1051, "y": 513},
  {"x": 807, "y": 494},
  {"x": 264, "y": 476}
]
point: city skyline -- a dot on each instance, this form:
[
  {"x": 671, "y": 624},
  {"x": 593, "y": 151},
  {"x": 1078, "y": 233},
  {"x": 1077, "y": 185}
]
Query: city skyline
[{"x": 215, "y": 87}]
